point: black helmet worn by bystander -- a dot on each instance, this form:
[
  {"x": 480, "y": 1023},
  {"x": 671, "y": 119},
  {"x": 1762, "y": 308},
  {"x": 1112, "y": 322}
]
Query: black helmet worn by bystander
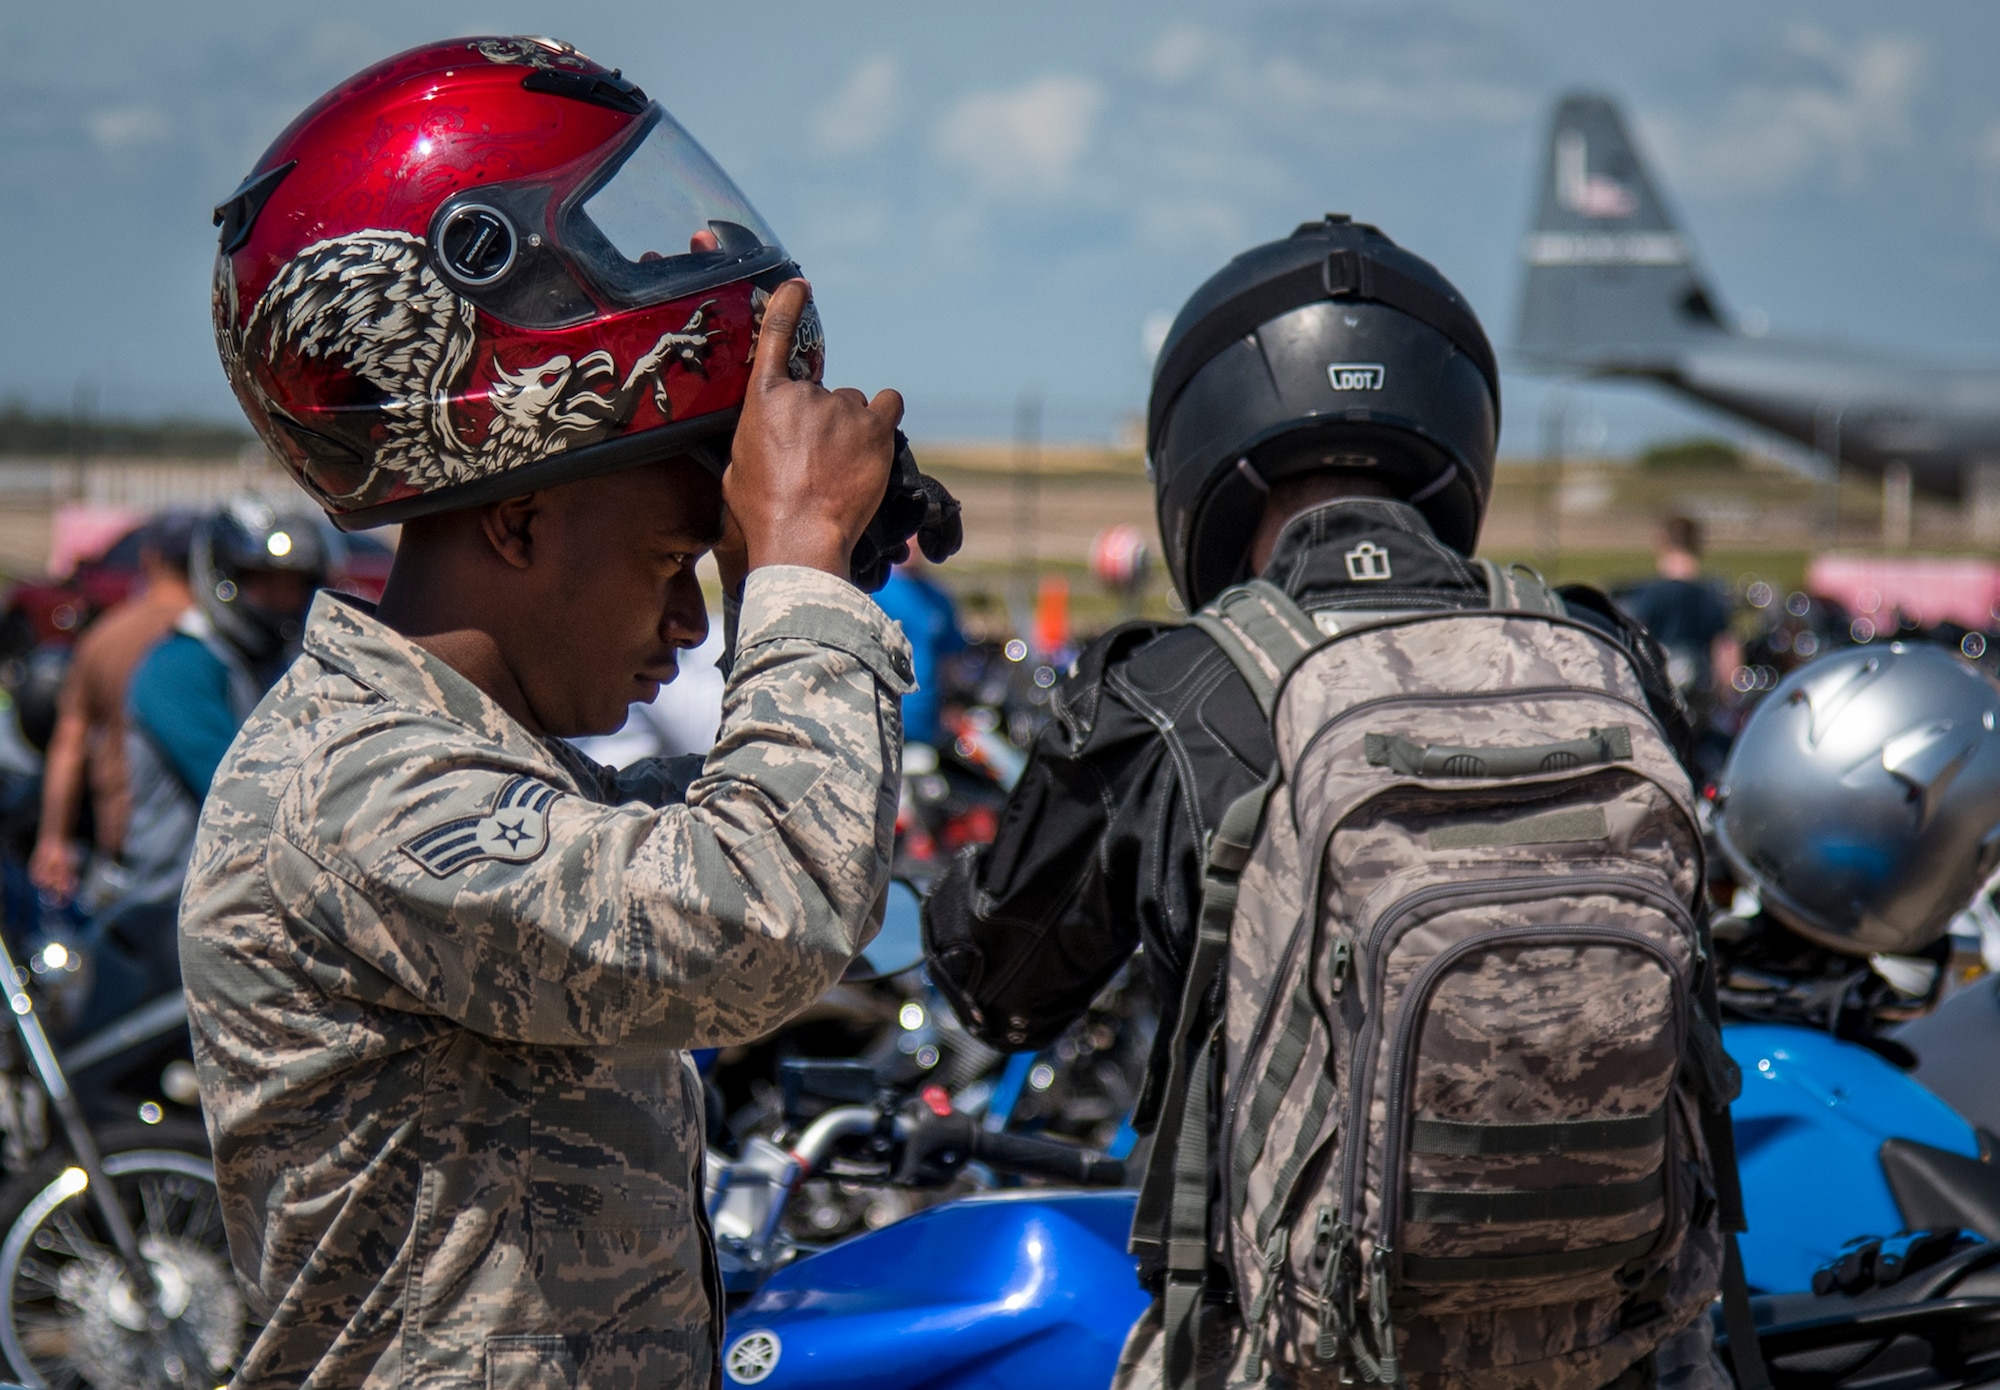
[
  {"x": 1332, "y": 348},
  {"x": 230, "y": 553}
]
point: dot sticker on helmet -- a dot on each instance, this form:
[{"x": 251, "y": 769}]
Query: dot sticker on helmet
[{"x": 1355, "y": 376}]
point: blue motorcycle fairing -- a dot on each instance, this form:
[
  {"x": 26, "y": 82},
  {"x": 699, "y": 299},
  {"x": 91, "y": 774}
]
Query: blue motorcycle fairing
[
  {"x": 1034, "y": 1287},
  {"x": 1809, "y": 1131},
  {"x": 1004, "y": 1289}
]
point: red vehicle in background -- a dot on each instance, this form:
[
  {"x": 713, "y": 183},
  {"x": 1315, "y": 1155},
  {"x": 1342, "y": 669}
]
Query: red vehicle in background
[{"x": 54, "y": 612}]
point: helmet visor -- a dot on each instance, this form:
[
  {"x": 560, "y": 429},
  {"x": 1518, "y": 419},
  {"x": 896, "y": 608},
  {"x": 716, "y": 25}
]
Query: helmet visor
[{"x": 664, "y": 221}]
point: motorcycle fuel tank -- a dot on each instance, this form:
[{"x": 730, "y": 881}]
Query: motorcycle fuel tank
[
  {"x": 1810, "y": 1125},
  {"x": 1030, "y": 1289}
]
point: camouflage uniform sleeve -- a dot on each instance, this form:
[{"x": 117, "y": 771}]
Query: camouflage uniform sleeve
[
  {"x": 658, "y": 781},
  {"x": 475, "y": 887}
]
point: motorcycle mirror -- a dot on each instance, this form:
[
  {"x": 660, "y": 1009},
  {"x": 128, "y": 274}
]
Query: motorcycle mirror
[
  {"x": 899, "y": 946},
  {"x": 845, "y": 1081}
]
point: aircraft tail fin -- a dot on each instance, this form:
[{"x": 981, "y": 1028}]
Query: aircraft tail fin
[{"x": 1611, "y": 282}]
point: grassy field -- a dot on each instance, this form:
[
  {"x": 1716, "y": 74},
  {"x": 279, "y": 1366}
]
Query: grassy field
[{"x": 1593, "y": 520}]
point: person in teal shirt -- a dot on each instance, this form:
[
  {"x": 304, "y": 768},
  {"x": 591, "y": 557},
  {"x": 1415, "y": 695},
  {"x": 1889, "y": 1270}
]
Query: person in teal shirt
[
  {"x": 929, "y": 619},
  {"x": 253, "y": 570}
]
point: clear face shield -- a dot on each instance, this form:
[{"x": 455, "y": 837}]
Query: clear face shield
[
  {"x": 665, "y": 222},
  {"x": 648, "y": 220}
]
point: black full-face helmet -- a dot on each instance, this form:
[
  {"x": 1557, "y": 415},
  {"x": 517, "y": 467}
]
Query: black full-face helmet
[
  {"x": 247, "y": 535},
  {"x": 1333, "y": 348}
]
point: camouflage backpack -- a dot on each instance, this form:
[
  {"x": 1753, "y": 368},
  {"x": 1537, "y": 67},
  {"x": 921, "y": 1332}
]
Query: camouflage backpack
[{"x": 1447, "y": 1100}]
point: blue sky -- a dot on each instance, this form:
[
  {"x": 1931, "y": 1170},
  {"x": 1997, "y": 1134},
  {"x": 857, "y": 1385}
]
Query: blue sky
[{"x": 996, "y": 199}]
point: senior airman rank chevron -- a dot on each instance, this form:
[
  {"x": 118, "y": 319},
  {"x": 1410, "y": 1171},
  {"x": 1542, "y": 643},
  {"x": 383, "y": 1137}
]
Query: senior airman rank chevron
[{"x": 514, "y": 831}]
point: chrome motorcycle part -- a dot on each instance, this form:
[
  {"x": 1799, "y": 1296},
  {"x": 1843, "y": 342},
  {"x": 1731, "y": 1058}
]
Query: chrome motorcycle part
[{"x": 70, "y": 1314}]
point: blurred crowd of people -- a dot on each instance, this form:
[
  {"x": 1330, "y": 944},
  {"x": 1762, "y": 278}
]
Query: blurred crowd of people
[
  {"x": 1730, "y": 640},
  {"x": 153, "y": 689},
  {"x": 150, "y": 696}
]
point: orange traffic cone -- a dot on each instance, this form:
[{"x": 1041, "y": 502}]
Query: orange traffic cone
[{"x": 1052, "y": 616}]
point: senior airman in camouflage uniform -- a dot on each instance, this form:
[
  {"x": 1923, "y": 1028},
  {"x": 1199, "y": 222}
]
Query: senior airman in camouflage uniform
[
  {"x": 440, "y": 972},
  {"x": 441, "y": 969}
]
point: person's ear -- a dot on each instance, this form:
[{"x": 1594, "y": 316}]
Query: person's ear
[{"x": 509, "y": 527}]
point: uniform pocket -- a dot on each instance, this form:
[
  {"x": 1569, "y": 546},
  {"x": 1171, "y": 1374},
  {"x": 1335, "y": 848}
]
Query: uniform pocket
[
  {"x": 614, "y": 1243},
  {"x": 660, "y": 1360},
  {"x": 530, "y": 1363}
]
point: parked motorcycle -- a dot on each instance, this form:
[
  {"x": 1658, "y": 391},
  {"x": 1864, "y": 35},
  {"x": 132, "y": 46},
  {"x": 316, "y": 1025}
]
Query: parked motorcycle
[
  {"x": 114, "y": 1265},
  {"x": 1833, "y": 1140},
  {"x": 1032, "y": 1287},
  {"x": 1027, "y": 1286}
]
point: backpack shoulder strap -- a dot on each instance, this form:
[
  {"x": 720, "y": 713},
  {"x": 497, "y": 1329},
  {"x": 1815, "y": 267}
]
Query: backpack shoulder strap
[
  {"x": 1718, "y": 1083},
  {"x": 1228, "y": 851},
  {"x": 1265, "y": 635},
  {"x": 1262, "y": 632},
  {"x": 1170, "y": 1221},
  {"x": 1518, "y": 589}
]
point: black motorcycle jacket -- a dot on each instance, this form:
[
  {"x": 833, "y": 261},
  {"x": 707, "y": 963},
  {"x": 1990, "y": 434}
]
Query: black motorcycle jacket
[{"x": 1099, "y": 848}]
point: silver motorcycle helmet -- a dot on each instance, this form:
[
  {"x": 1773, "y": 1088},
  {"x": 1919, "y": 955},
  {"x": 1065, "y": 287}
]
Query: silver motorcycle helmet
[
  {"x": 1862, "y": 800},
  {"x": 250, "y": 535}
]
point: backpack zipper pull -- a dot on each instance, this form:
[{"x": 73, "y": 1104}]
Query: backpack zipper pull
[
  {"x": 1343, "y": 958},
  {"x": 1322, "y": 1231},
  {"x": 1386, "y": 1372},
  {"x": 1329, "y": 1238},
  {"x": 1274, "y": 1262}
]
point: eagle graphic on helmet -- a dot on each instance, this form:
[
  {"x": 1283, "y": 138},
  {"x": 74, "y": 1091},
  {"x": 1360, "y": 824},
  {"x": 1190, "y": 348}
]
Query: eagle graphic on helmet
[
  {"x": 370, "y": 303},
  {"x": 487, "y": 266}
]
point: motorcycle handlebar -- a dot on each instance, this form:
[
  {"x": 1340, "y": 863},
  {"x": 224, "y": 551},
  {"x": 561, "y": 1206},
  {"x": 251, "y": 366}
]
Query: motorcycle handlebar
[
  {"x": 1048, "y": 1158},
  {"x": 949, "y": 1140},
  {"x": 812, "y": 1148}
]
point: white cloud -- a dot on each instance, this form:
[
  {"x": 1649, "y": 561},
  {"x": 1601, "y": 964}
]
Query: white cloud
[
  {"x": 1178, "y": 53},
  {"x": 1025, "y": 141},
  {"x": 1823, "y": 108},
  {"x": 1153, "y": 332},
  {"x": 1424, "y": 81},
  {"x": 848, "y": 227},
  {"x": 857, "y": 116},
  {"x": 1231, "y": 136},
  {"x": 119, "y": 128}
]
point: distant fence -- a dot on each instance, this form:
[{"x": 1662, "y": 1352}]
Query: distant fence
[
  {"x": 141, "y": 484},
  {"x": 35, "y": 491}
]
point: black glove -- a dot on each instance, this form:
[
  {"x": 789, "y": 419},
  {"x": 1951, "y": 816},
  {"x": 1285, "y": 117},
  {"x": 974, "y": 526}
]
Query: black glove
[
  {"x": 1874, "y": 1262},
  {"x": 914, "y": 506}
]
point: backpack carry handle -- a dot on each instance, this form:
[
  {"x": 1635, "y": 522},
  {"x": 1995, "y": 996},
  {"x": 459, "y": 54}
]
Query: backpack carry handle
[{"x": 1412, "y": 759}]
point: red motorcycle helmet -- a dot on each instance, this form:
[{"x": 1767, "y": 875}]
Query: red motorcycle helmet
[{"x": 483, "y": 267}]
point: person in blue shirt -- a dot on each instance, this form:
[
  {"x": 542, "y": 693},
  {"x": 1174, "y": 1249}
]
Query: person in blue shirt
[
  {"x": 929, "y": 619},
  {"x": 253, "y": 570},
  {"x": 1688, "y": 615}
]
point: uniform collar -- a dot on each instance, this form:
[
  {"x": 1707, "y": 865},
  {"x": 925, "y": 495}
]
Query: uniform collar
[
  {"x": 344, "y": 633},
  {"x": 1369, "y": 551}
]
